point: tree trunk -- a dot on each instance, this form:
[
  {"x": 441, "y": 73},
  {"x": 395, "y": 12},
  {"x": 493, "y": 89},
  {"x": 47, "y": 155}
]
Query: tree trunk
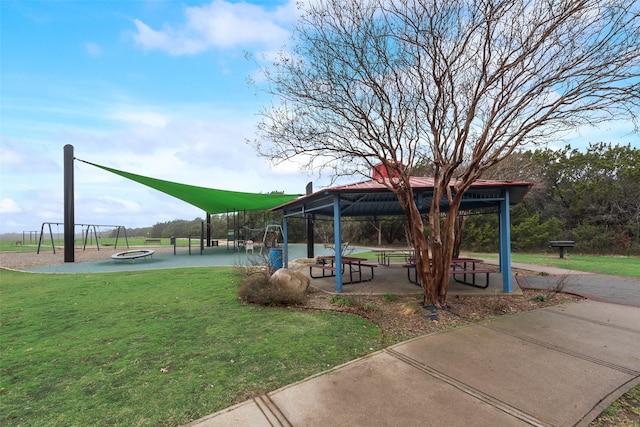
[
  {"x": 433, "y": 257},
  {"x": 460, "y": 223},
  {"x": 415, "y": 229}
]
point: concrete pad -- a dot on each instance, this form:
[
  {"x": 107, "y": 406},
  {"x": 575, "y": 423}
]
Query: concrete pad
[
  {"x": 382, "y": 390},
  {"x": 557, "y": 328},
  {"x": 392, "y": 279},
  {"x": 552, "y": 386},
  {"x": 617, "y": 315},
  {"x": 243, "y": 414}
]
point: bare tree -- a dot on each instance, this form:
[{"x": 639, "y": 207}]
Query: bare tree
[{"x": 462, "y": 83}]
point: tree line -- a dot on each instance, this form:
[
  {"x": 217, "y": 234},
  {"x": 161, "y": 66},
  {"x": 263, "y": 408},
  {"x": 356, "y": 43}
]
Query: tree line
[{"x": 588, "y": 196}]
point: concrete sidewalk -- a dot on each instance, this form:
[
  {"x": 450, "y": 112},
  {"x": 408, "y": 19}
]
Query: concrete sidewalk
[
  {"x": 560, "y": 366},
  {"x": 597, "y": 287}
]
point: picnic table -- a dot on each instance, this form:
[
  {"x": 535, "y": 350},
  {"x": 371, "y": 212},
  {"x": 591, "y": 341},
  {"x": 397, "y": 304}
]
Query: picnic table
[
  {"x": 353, "y": 265},
  {"x": 561, "y": 244},
  {"x": 385, "y": 255},
  {"x": 463, "y": 270}
]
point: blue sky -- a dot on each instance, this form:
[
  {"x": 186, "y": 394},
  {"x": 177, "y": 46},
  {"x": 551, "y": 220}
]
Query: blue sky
[
  {"x": 157, "y": 88},
  {"x": 153, "y": 87}
]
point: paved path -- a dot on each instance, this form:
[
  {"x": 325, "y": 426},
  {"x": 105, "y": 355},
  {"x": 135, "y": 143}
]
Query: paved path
[
  {"x": 559, "y": 366},
  {"x": 597, "y": 287}
]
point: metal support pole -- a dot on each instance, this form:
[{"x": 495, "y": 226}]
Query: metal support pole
[
  {"x": 310, "y": 218},
  {"x": 115, "y": 245},
  {"x": 126, "y": 239},
  {"x": 285, "y": 243},
  {"x": 201, "y": 237},
  {"x": 337, "y": 238},
  {"x": 505, "y": 244},
  {"x": 69, "y": 214}
]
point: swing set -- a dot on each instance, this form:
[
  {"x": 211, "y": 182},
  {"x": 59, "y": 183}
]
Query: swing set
[
  {"x": 238, "y": 236},
  {"x": 88, "y": 231},
  {"x": 272, "y": 233}
]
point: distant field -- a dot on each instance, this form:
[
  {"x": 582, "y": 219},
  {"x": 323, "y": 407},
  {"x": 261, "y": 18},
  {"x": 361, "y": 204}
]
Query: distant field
[
  {"x": 13, "y": 245},
  {"x": 614, "y": 265}
]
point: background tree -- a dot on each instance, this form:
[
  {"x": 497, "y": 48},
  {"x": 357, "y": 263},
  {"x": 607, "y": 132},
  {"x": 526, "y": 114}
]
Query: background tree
[
  {"x": 462, "y": 83},
  {"x": 594, "y": 194}
]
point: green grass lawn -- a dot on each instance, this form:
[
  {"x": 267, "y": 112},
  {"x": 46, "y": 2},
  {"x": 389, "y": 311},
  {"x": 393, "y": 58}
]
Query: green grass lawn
[
  {"x": 614, "y": 265},
  {"x": 153, "y": 348}
]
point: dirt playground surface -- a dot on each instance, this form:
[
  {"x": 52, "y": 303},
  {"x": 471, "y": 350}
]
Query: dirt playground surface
[{"x": 30, "y": 259}]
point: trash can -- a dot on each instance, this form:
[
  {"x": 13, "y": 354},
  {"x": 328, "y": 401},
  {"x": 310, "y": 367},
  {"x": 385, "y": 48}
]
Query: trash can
[
  {"x": 275, "y": 258},
  {"x": 172, "y": 240}
]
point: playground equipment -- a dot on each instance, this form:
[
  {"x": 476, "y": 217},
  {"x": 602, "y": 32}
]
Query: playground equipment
[
  {"x": 33, "y": 235},
  {"x": 132, "y": 255},
  {"x": 92, "y": 230},
  {"x": 272, "y": 233}
]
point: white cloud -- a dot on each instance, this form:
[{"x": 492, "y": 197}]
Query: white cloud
[
  {"x": 105, "y": 205},
  {"x": 220, "y": 24},
  {"x": 616, "y": 131},
  {"x": 93, "y": 49},
  {"x": 168, "y": 40},
  {"x": 8, "y": 206},
  {"x": 139, "y": 116},
  {"x": 18, "y": 156}
]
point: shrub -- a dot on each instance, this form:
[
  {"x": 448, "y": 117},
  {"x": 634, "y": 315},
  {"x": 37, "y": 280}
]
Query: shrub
[
  {"x": 389, "y": 297},
  {"x": 257, "y": 289},
  {"x": 341, "y": 301}
]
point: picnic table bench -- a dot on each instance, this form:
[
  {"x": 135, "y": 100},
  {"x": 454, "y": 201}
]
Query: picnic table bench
[
  {"x": 385, "y": 255},
  {"x": 147, "y": 241},
  {"x": 463, "y": 270},
  {"x": 354, "y": 265}
]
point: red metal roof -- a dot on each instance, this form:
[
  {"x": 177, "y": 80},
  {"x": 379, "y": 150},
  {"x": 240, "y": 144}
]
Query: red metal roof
[
  {"x": 372, "y": 197},
  {"x": 424, "y": 182}
]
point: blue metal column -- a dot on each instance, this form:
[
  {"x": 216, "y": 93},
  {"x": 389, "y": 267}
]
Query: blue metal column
[
  {"x": 505, "y": 244},
  {"x": 337, "y": 238},
  {"x": 285, "y": 244}
]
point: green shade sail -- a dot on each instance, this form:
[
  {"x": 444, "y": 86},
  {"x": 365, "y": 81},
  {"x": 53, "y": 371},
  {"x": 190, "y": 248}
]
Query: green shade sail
[{"x": 208, "y": 199}]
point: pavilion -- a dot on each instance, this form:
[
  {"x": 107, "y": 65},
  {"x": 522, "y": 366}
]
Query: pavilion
[
  {"x": 372, "y": 198},
  {"x": 365, "y": 198}
]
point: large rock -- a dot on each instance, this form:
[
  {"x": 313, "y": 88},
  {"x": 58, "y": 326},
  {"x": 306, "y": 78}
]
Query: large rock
[{"x": 293, "y": 280}]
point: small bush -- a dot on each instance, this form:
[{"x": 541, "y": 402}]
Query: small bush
[
  {"x": 341, "y": 301},
  {"x": 411, "y": 309},
  {"x": 256, "y": 289},
  {"x": 390, "y": 297}
]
